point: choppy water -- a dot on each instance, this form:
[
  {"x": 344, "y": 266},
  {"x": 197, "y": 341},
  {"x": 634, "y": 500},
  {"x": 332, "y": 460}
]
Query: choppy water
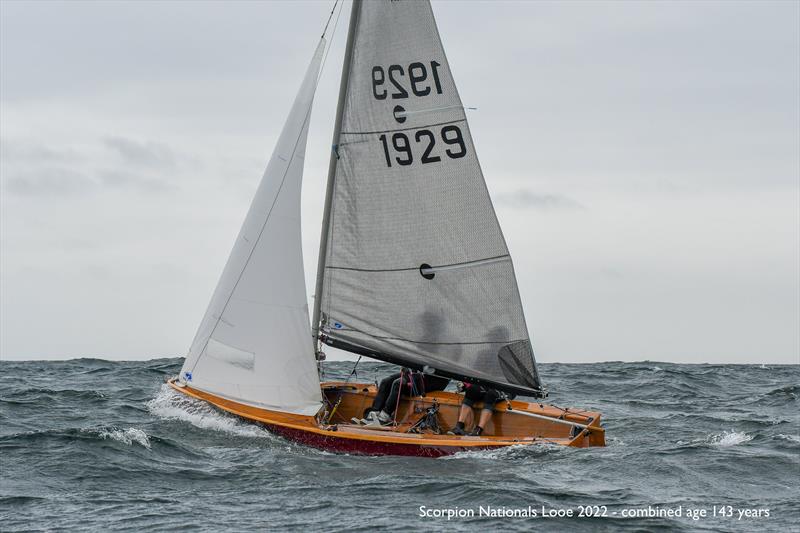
[{"x": 93, "y": 444}]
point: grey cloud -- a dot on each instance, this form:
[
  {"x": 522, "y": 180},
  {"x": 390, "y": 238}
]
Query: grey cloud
[
  {"x": 32, "y": 168},
  {"x": 148, "y": 154},
  {"x": 526, "y": 199},
  {"x": 49, "y": 182},
  {"x": 58, "y": 181},
  {"x": 33, "y": 151},
  {"x": 119, "y": 178}
]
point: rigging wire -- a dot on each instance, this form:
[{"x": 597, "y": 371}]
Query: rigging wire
[
  {"x": 329, "y": 18},
  {"x": 399, "y": 393},
  {"x": 333, "y": 33}
]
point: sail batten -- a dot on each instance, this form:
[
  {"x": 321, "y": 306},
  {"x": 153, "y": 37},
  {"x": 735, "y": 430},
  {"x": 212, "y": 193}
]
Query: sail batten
[
  {"x": 437, "y": 268},
  {"x": 415, "y": 268}
]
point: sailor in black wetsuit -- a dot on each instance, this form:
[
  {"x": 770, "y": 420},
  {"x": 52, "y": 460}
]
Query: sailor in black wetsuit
[
  {"x": 406, "y": 383},
  {"x": 472, "y": 394}
]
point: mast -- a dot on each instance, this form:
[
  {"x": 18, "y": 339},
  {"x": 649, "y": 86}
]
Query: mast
[{"x": 337, "y": 128}]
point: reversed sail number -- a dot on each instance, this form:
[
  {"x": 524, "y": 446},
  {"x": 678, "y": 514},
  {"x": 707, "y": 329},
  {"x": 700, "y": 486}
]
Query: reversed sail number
[
  {"x": 417, "y": 73},
  {"x": 425, "y": 140}
]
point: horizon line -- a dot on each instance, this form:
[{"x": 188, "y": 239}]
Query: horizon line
[{"x": 351, "y": 360}]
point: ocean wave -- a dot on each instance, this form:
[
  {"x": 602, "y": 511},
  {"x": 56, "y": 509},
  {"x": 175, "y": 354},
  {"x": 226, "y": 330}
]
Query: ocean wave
[
  {"x": 518, "y": 451},
  {"x": 790, "y": 391},
  {"x": 612, "y": 441},
  {"x": 728, "y": 419},
  {"x": 129, "y": 435},
  {"x": 38, "y": 394},
  {"x": 21, "y": 499},
  {"x": 728, "y": 438},
  {"x": 785, "y": 395},
  {"x": 791, "y": 438},
  {"x": 725, "y": 439},
  {"x": 658, "y": 388},
  {"x": 171, "y": 405},
  {"x": 126, "y": 436}
]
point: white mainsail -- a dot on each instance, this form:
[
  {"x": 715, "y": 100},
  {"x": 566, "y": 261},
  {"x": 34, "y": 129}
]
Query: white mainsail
[{"x": 254, "y": 344}]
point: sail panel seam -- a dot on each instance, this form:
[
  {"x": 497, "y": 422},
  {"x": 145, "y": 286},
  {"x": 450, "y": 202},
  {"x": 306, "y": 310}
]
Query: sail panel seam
[
  {"x": 477, "y": 262},
  {"x": 428, "y": 342},
  {"x": 404, "y": 129}
]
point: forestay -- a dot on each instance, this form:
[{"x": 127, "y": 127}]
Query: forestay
[
  {"x": 416, "y": 269},
  {"x": 254, "y": 344}
]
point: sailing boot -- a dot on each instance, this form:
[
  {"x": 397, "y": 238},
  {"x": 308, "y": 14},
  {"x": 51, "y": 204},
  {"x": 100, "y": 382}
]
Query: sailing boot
[
  {"x": 476, "y": 432},
  {"x": 379, "y": 419},
  {"x": 371, "y": 417},
  {"x": 458, "y": 430}
]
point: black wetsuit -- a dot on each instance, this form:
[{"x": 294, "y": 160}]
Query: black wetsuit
[
  {"x": 417, "y": 385},
  {"x": 479, "y": 393}
]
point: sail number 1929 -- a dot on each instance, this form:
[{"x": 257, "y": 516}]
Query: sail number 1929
[{"x": 398, "y": 146}]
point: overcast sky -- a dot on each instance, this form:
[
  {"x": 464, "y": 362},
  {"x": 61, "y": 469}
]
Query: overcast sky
[{"x": 644, "y": 160}]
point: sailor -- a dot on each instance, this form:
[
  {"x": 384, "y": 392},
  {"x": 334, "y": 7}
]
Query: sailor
[
  {"x": 475, "y": 393},
  {"x": 405, "y": 383}
]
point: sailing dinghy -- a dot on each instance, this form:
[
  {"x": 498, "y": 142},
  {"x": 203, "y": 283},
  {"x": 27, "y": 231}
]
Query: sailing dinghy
[{"x": 413, "y": 267}]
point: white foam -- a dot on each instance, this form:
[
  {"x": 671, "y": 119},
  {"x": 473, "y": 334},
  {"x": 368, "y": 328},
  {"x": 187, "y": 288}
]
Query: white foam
[
  {"x": 729, "y": 438},
  {"x": 615, "y": 441},
  {"x": 505, "y": 452},
  {"x": 493, "y": 453},
  {"x": 127, "y": 436},
  {"x": 790, "y": 438},
  {"x": 171, "y": 405}
]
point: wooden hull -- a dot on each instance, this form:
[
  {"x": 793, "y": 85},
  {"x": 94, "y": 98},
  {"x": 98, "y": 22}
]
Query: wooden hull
[{"x": 523, "y": 424}]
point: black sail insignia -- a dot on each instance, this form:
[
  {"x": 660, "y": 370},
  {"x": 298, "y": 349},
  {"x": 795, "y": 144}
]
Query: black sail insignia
[{"x": 416, "y": 268}]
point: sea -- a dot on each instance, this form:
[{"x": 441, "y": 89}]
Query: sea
[{"x": 96, "y": 445}]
